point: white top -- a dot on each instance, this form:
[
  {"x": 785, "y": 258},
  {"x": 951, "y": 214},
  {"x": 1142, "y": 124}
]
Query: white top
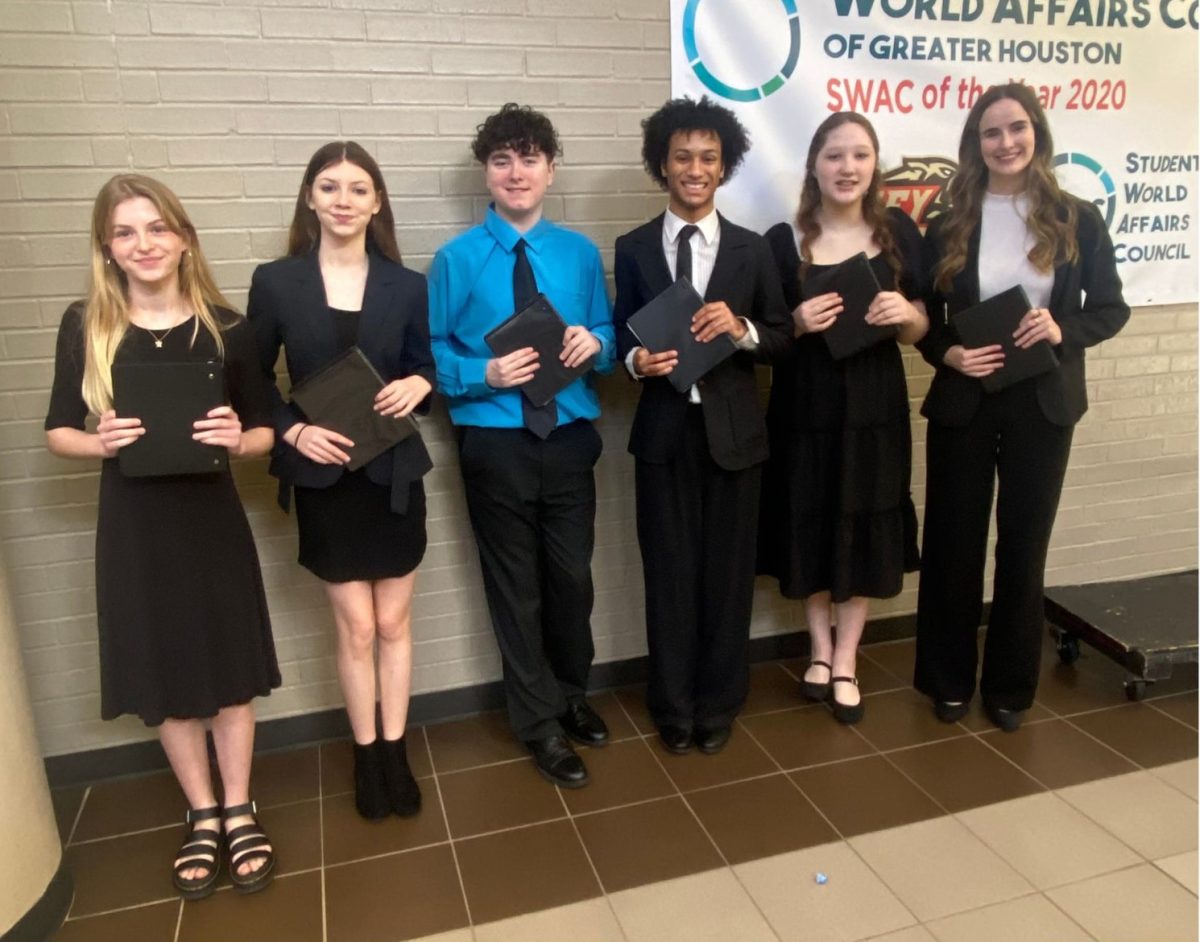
[
  {"x": 1004, "y": 244},
  {"x": 704, "y": 242}
]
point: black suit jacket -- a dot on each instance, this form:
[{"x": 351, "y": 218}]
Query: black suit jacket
[
  {"x": 287, "y": 308},
  {"x": 744, "y": 277},
  {"x": 1085, "y": 301}
]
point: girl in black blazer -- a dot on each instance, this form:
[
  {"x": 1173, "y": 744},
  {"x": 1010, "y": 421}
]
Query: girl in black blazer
[
  {"x": 1009, "y": 224},
  {"x": 361, "y": 532},
  {"x": 837, "y": 524}
]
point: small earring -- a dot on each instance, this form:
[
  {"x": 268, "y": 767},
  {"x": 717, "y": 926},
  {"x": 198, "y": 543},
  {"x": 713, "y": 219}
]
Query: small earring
[{"x": 107, "y": 261}]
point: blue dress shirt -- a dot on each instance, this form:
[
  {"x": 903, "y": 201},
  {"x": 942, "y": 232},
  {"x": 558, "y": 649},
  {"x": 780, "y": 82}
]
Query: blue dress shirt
[{"x": 470, "y": 292}]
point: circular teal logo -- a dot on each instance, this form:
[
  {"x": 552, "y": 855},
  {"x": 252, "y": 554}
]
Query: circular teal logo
[
  {"x": 1096, "y": 178},
  {"x": 724, "y": 89}
]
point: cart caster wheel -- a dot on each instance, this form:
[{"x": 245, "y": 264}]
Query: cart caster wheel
[
  {"x": 1068, "y": 649},
  {"x": 1135, "y": 690}
]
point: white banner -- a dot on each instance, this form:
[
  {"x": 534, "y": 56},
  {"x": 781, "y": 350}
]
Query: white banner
[{"x": 1117, "y": 78}]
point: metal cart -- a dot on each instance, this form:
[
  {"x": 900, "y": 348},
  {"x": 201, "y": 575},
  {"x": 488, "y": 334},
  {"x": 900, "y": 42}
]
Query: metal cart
[{"x": 1146, "y": 625}]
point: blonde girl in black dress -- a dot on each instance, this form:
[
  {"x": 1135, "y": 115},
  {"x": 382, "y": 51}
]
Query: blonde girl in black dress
[{"x": 185, "y": 639}]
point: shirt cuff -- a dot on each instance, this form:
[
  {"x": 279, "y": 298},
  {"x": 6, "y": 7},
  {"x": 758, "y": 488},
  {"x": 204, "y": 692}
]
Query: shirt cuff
[
  {"x": 629, "y": 363},
  {"x": 750, "y": 339}
]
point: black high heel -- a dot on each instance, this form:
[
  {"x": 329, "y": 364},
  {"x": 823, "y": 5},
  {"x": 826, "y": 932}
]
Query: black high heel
[{"x": 403, "y": 792}]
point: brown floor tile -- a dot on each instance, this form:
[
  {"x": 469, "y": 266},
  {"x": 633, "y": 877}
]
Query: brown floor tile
[
  {"x": 350, "y": 837},
  {"x": 337, "y": 763},
  {"x": 66, "y": 807},
  {"x": 123, "y": 871},
  {"x": 633, "y": 699},
  {"x": 1141, "y": 733},
  {"x": 963, "y": 773},
  {"x": 1182, "y": 680},
  {"x": 524, "y": 871},
  {"x": 759, "y": 818},
  {"x": 289, "y": 910},
  {"x": 295, "y": 833},
  {"x": 1057, "y": 754},
  {"x": 646, "y": 843},
  {"x": 895, "y": 657},
  {"x": 131, "y": 804},
  {"x": 281, "y": 777},
  {"x": 771, "y": 688},
  {"x": 742, "y": 758},
  {"x": 476, "y": 740},
  {"x": 805, "y": 737},
  {"x": 155, "y": 923},
  {"x": 864, "y": 795},
  {"x": 609, "y": 707},
  {"x": 903, "y": 718},
  {"x": 1068, "y": 689},
  {"x": 400, "y": 896},
  {"x": 495, "y": 797},
  {"x": 977, "y": 720},
  {"x": 621, "y": 773},
  {"x": 1182, "y": 706}
]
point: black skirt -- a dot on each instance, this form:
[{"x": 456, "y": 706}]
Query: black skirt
[{"x": 348, "y": 532}]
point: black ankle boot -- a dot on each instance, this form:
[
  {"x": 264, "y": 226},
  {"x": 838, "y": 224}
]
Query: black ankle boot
[
  {"x": 403, "y": 792},
  {"x": 370, "y": 792}
]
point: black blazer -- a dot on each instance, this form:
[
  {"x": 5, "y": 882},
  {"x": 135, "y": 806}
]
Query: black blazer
[
  {"x": 745, "y": 278},
  {"x": 287, "y": 308},
  {"x": 1085, "y": 301}
]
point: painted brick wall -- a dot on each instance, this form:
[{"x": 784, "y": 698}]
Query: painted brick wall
[{"x": 225, "y": 102}]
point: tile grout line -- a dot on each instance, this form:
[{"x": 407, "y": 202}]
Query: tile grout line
[
  {"x": 87, "y": 793},
  {"x": 178, "y": 922},
  {"x": 321, "y": 827},
  {"x": 462, "y": 886}
]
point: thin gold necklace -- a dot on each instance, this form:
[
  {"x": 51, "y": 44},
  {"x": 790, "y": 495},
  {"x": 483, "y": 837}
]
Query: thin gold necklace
[{"x": 159, "y": 338}]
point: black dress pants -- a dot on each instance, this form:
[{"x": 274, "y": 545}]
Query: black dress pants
[
  {"x": 532, "y": 505},
  {"x": 1009, "y": 440},
  {"x": 697, "y": 527}
]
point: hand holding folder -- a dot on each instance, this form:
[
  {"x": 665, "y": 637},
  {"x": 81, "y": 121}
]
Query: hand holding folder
[
  {"x": 666, "y": 324},
  {"x": 855, "y": 281},
  {"x": 540, "y": 327},
  {"x": 993, "y": 323},
  {"x": 341, "y": 397}
]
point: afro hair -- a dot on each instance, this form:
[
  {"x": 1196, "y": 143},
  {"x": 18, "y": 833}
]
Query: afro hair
[{"x": 687, "y": 114}]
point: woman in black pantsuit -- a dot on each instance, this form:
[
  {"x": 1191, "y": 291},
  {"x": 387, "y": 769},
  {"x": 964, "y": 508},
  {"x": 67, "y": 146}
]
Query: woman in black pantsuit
[
  {"x": 362, "y": 532},
  {"x": 1009, "y": 224}
]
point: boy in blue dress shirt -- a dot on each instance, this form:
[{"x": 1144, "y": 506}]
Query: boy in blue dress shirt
[{"x": 527, "y": 471}]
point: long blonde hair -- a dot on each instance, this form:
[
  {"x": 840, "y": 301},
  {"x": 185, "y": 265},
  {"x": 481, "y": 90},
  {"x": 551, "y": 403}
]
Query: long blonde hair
[
  {"x": 1052, "y": 215},
  {"x": 106, "y": 314}
]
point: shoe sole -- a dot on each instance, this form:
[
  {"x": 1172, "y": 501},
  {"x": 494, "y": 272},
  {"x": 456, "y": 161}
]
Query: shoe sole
[
  {"x": 593, "y": 743},
  {"x": 712, "y": 750},
  {"x": 560, "y": 782}
]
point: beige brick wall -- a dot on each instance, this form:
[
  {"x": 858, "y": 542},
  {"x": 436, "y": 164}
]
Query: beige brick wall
[{"x": 225, "y": 102}]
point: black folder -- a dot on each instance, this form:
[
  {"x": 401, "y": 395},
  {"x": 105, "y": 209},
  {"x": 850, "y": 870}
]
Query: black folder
[
  {"x": 341, "y": 397},
  {"x": 855, "y": 281},
  {"x": 539, "y": 326},
  {"x": 168, "y": 398},
  {"x": 666, "y": 324},
  {"x": 994, "y": 321}
]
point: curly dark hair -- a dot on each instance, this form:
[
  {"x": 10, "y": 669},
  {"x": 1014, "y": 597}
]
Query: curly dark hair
[
  {"x": 686, "y": 114},
  {"x": 517, "y": 126}
]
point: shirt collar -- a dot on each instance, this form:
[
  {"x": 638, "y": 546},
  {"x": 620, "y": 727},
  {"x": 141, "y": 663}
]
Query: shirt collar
[
  {"x": 708, "y": 226},
  {"x": 506, "y": 234}
]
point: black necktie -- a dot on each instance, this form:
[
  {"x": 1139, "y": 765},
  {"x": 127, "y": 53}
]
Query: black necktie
[
  {"x": 540, "y": 420},
  {"x": 683, "y": 258}
]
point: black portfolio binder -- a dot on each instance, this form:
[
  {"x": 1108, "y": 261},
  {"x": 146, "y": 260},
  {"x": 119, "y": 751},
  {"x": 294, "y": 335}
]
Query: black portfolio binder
[
  {"x": 539, "y": 326},
  {"x": 994, "y": 321},
  {"x": 855, "y": 281},
  {"x": 341, "y": 397},
  {"x": 666, "y": 324},
  {"x": 168, "y": 398}
]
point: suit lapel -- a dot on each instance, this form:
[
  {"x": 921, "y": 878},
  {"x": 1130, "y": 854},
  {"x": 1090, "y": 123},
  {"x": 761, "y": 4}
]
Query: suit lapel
[
  {"x": 727, "y": 266},
  {"x": 311, "y": 306},
  {"x": 654, "y": 262},
  {"x": 375, "y": 319}
]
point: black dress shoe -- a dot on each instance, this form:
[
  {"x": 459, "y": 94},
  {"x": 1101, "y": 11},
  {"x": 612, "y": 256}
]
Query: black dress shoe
[
  {"x": 1007, "y": 720},
  {"x": 583, "y": 724},
  {"x": 711, "y": 740},
  {"x": 556, "y": 762},
  {"x": 676, "y": 739},
  {"x": 949, "y": 712}
]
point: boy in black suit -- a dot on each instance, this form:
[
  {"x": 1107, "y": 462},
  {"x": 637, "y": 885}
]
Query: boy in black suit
[{"x": 699, "y": 453}]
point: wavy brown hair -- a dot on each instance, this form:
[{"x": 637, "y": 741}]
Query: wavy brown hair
[
  {"x": 106, "y": 311},
  {"x": 304, "y": 236},
  {"x": 873, "y": 211},
  {"x": 1052, "y": 215}
]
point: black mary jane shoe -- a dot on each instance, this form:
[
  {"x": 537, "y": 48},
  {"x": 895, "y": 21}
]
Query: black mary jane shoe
[
  {"x": 200, "y": 851},
  {"x": 557, "y": 762},
  {"x": 817, "y": 692},
  {"x": 583, "y": 724},
  {"x": 675, "y": 739},
  {"x": 711, "y": 739},
  {"x": 846, "y": 713},
  {"x": 244, "y": 844}
]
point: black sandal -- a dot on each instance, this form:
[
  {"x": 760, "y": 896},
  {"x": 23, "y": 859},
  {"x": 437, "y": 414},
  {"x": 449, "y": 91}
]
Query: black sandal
[
  {"x": 813, "y": 691},
  {"x": 846, "y": 713},
  {"x": 200, "y": 850},
  {"x": 245, "y": 843}
]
